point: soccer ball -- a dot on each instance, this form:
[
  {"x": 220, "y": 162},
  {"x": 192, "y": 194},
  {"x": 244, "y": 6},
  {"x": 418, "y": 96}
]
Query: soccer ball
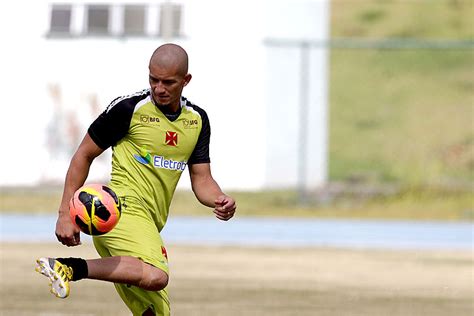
[{"x": 95, "y": 209}]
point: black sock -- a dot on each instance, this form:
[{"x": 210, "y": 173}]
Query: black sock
[{"x": 78, "y": 265}]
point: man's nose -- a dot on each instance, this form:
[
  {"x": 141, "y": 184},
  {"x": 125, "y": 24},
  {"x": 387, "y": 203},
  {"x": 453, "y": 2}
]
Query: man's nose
[{"x": 159, "y": 87}]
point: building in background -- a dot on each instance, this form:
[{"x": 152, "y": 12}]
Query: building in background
[{"x": 254, "y": 71}]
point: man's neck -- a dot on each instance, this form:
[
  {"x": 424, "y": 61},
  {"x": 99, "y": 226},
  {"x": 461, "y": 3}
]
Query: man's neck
[{"x": 168, "y": 108}]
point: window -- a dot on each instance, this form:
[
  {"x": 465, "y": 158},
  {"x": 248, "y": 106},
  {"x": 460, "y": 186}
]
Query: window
[
  {"x": 170, "y": 20},
  {"x": 60, "y": 19},
  {"x": 97, "y": 19},
  {"x": 134, "y": 20},
  {"x": 78, "y": 20}
]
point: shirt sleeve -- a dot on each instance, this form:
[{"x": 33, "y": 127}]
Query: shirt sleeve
[
  {"x": 201, "y": 151},
  {"x": 112, "y": 125}
]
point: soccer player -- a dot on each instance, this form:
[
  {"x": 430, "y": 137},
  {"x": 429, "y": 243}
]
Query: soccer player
[{"x": 154, "y": 134}]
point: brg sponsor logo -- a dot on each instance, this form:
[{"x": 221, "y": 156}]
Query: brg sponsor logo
[
  {"x": 190, "y": 123},
  {"x": 147, "y": 119}
]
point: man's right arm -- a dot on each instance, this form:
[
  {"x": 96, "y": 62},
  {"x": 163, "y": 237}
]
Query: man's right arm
[{"x": 66, "y": 232}]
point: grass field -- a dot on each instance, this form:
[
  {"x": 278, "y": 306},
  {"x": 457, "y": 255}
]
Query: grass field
[
  {"x": 260, "y": 281},
  {"x": 416, "y": 204},
  {"x": 440, "y": 19},
  {"x": 402, "y": 115}
]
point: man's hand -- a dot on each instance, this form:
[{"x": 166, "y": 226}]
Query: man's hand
[
  {"x": 224, "y": 207},
  {"x": 67, "y": 233}
]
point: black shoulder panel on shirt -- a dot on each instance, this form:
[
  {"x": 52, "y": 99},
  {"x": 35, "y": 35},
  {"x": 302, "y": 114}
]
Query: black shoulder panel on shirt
[
  {"x": 113, "y": 124},
  {"x": 201, "y": 151}
]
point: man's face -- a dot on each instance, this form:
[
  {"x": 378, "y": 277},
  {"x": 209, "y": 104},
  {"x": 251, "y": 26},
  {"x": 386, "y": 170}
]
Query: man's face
[{"x": 167, "y": 85}]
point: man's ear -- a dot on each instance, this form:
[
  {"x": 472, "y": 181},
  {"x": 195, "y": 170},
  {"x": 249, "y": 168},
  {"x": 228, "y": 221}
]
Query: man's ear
[{"x": 187, "y": 79}]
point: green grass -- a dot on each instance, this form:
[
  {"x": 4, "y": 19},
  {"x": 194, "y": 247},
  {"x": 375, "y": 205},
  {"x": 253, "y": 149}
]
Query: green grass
[
  {"x": 413, "y": 204},
  {"x": 431, "y": 19},
  {"x": 402, "y": 116}
]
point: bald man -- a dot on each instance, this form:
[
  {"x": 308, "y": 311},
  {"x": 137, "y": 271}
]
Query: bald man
[{"x": 154, "y": 134}]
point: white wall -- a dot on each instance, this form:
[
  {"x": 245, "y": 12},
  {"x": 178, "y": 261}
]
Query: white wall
[
  {"x": 290, "y": 25},
  {"x": 249, "y": 90}
]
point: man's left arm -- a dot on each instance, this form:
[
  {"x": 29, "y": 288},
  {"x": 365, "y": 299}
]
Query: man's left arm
[{"x": 208, "y": 192}]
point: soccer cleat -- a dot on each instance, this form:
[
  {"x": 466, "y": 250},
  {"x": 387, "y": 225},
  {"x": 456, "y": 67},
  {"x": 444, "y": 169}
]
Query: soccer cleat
[{"x": 59, "y": 275}]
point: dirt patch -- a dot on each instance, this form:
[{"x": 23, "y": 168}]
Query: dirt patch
[{"x": 260, "y": 281}]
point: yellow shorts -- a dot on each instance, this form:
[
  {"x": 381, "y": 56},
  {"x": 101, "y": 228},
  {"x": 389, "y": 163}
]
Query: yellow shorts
[{"x": 136, "y": 235}]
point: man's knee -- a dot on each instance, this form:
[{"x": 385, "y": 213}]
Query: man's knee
[{"x": 154, "y": 279}]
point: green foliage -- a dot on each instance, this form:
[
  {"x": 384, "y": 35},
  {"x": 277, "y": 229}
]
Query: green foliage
[{"x": 371, "y": 15}]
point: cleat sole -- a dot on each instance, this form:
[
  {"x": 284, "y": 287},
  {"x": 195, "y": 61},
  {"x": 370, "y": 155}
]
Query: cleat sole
[{"x": 58, "y": 287}]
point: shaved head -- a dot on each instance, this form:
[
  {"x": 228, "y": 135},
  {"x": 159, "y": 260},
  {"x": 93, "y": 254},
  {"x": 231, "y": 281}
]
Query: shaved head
[
  {"x": 170, "y": 56},
  {"x": 168, "y": 76}
]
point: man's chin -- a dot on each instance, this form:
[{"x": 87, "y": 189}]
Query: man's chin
[{"x": 161, "y": 101}]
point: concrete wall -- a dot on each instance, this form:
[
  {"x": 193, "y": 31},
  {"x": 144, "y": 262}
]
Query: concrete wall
[{"x": 250, "y": 89}]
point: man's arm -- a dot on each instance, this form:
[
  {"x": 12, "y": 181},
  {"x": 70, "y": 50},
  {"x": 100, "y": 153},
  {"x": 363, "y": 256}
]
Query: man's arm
[
  {"x": 208, "y": 192},
  {"x": 66, "y": 232}
]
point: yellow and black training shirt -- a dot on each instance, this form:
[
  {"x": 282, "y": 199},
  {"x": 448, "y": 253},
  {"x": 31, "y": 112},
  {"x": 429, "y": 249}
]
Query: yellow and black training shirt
[{"x": 150, "y": 150}]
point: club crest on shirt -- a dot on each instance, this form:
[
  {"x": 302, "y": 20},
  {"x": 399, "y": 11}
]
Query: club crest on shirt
[
  {"x": 171, "y": 138},
  {"x": 164, "y": 253}
]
